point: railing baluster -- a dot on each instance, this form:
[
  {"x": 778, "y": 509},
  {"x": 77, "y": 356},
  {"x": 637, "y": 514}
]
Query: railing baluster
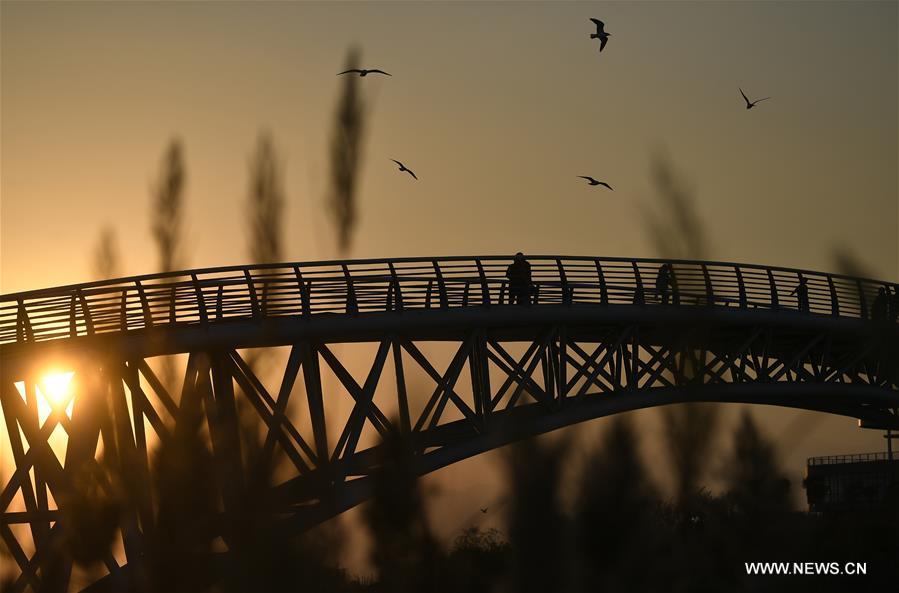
[
  {"x": 862, "y": 300},
  {"x": 395, "y": 284},
  {"x": 173, "y": 315},
  {"x": 88, "y": 319},
  {"x": 123, "y": 311},
  {"x": 24, "y": 331},
  {"x": 563, "y": 282},
  {"x": 774, "y": 300},
  {"x": 352, "y": 306},
  {"x": 251, "y": 287},
  {"x": 639, "y": 297},
  {"x": 603, "y": 290},
  {"x": 145, "y": 305},
  {"x": 834, "y": 298},
  {"x": 73, "y": 320},
  {"x": 485, "y": 287},
  {"x": 55, "y": 313},
  {"x": 441, "y": 286},
  {"x": 201, "y": 302},
  {"x": 741, "y": 287},
  {"x": 709, "y": 294},
  {"x": 218, "y": 301},
  {"x": 303, "y": 287}
]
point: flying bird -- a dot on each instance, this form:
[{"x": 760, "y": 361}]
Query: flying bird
[
  {"x": 404, "y": 168},
  {"x": 595, "y": 182},
  {"x": 364, "y": 72},
  {"x": 751, "y": 104},
  {"x": 484, "y": 510},
  {"x": 600, "y": 34}
]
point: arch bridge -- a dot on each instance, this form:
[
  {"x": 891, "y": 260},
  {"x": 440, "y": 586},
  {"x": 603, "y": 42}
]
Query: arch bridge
[{"x": 325, "y": 359}]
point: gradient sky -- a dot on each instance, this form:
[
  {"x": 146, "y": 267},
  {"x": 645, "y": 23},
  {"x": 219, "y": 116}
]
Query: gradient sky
[{"x": 496, "y": 106}]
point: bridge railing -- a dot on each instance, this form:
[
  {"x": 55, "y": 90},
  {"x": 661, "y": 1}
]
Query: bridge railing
[
  {"x": 367, "y": 286},
  {"x": 849, "y": 458}
]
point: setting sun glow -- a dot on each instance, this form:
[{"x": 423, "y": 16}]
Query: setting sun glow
[{"x": 56, "y": 387}]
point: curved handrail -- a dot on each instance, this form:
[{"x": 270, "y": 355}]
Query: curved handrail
[{"x": 378, "y": 285}]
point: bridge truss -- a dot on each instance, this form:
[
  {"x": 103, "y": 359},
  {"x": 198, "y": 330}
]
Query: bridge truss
[{"x": 427, "y": 350}]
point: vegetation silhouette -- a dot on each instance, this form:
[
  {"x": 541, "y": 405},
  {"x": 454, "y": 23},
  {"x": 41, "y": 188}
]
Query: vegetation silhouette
[
  {"x": 346, "y": 155},
  {"x": 167, "y": 211},
  {"x": 167, "y": 225},
  {"x": 265, "y": 203},
  {"x": 616, "y": 496},
  {"x": 265, "y": 217},
  {"x": 538, "y": 529},
  {"x": 404, "y": 551},
  {"x": 106, "y": 255},
  {"x": 677, "y": 232}
]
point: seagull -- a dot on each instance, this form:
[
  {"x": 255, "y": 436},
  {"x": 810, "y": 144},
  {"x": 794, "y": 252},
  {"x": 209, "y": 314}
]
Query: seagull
[
  {"x": 484, "y": 510},
  {"x": 364, "y": 72},
  {"x": 595, "y": 182},
  {"x": 600, "y": 34},
  {"x": 403, "y": 168},
  {"x": 751, "y": 104}
]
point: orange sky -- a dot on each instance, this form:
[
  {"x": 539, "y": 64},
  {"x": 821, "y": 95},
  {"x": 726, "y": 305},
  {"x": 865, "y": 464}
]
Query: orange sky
[{"x": 496, "y": 106}]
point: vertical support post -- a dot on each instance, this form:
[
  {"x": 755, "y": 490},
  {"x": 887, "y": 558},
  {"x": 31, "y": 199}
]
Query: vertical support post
[
  {"x": 123, "y": 438},
  {"x": 562, "y": 371},
  {"x": 313, "y": 380},
  {"x": 221, "y": 413},
  {"x": 480, "y": 376},
  {"x": 402, "y": 398}
]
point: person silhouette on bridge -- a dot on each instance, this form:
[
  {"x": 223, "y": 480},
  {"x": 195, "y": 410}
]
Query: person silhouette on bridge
[
  {"x": 801, "y": 292},
  {"x": 520, "y": 285},
  {"x": 880, "y": 309},
  {"x": 663, "y": 283}
]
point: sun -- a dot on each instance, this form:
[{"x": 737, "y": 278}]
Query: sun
[{"x": 56, "y": 387}]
